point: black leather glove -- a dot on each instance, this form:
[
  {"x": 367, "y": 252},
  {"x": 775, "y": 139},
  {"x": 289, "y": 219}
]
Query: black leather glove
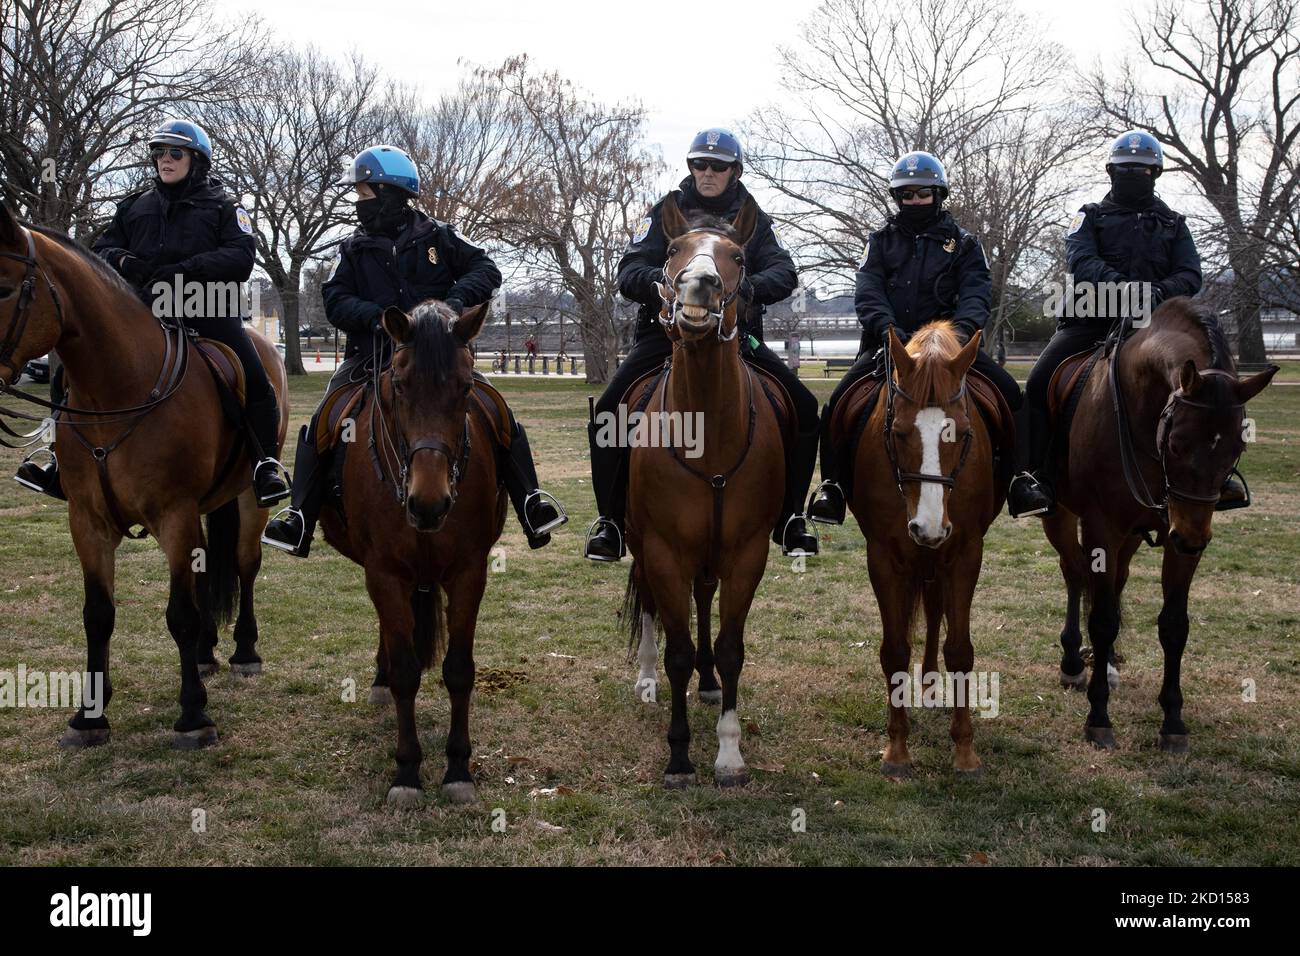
[
  {"x": 456, "y": 306},
  {"x": 132, "y": 268},
  {"x": 165, "y": 273}
]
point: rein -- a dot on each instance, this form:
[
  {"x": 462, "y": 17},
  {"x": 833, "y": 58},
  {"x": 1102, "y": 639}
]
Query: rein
[{"x": 894, "y": 389}]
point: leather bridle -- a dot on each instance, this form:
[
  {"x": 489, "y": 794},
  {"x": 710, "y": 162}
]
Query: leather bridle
[{"x": 894, "y": 389}]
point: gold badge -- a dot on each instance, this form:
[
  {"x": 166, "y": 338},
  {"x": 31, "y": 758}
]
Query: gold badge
[
  {"x": 950, "y": 246},
  {"x": 433, "y": 256}
]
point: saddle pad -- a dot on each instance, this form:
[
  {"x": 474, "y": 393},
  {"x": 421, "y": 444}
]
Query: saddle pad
[
  {"x": 223, "y": 358},
  {"x": 1064, "y": 380},
  {"x": 997, "y": 414},
  {"x": 494, "y": 408},
  {"x": 338, "y": 406}
]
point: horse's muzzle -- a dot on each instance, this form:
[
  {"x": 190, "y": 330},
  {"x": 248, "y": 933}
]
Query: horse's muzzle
[
  {"x": 427, "y": 516},
  {"x": 1182, "y": 546}
]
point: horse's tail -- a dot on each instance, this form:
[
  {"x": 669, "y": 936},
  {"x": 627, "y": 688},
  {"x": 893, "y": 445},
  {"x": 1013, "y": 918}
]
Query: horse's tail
[
  {"x": 221, "y": 575},
  {"x": 630, "y": 614},
  {"x": 430, "y": 624}
]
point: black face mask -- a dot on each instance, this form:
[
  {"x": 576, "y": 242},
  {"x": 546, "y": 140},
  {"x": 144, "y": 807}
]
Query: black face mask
[
  {"x": 917, "y": 218},
  {"x": 385, "y": 215},
  {"x": 1129, "y": 189}
]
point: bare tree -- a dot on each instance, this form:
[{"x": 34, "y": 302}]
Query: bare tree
[
  {"x": 286, "y": 144},
  {"x": 1229, "y": 122},
  {"x": 81, "y": 83},
  {"x": 587, "y": 185},
  {"x": 957, "y": 78}
]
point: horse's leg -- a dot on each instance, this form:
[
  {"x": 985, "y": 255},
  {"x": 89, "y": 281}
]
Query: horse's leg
[
  {"x": 647, "y": 655},
  {"x": 1102, "y": 549},
  {"x": 252, "y": 520},
  {"x": 672, "y": 597},
  {"x": 96, "y": 545},
  {"x": 179, "y": 534},
  {"x": 932, "y": 595},
  {"x": 392, "y": 599},
  {"x": 206, "y": 655},
  {"x": 959, "y": 654},
  {"x": 1127, "y": 550},
  {"x": 737, "y": 596},
  {"x": 1062, "y": 529},
  {"x": 895, "y": 654},
  {"x": 380, "y": 695},
  {"x": 1176, "y": 580},
  {"x": 464, "y": 594},
  {"x": 710, "y": 691}
]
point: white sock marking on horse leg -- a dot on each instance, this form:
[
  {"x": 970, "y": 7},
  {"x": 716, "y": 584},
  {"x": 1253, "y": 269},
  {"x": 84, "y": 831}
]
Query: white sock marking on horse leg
[
  {"x": 729, "y": 757},
  {"x": 647, "y": 656},
  {"x": 929, "y": 509}
]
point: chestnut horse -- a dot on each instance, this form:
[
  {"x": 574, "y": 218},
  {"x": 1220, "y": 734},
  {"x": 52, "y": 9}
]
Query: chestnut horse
[
  {"x": 1154, "y": 470},
  {"x": 702, "y": 523},
  {"x": 147, "y": 444},
  {"x": 924, "y": 494},
  {"x": 397, "y": 521}
]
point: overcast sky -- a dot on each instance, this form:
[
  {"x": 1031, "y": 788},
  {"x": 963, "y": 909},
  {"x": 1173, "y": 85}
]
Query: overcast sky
[{"x": 692, "y": 64}]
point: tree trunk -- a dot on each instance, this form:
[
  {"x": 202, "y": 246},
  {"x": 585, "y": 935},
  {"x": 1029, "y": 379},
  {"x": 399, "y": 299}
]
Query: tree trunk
[
  {"x": 1246, "y": 304},
  {"x": 289, "y": 303},
  {"x": 599, "y": 347}
]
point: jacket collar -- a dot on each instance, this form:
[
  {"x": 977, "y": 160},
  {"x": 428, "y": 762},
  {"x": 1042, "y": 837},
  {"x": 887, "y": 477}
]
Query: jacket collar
[{"x": 421, "y": 226}]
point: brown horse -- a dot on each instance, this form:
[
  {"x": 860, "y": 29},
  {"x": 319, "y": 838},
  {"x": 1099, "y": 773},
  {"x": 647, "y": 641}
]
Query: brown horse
[
  {"x": 697, "y": 523},
  {"x": 924, "y": 494},
  {"x": 395, "y": 499},
  {"x": 1154, "y": 470},
  {"x": 147, "y": 444}
]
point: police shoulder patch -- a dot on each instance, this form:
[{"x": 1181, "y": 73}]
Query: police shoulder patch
[
  {"x": 866, "y": 251},
  {"x": 244, "y": 219},
  {"x": 1076, "y": 223},
  {"x": 642, "y": 229},
  {"x": 779, "y": 241}
]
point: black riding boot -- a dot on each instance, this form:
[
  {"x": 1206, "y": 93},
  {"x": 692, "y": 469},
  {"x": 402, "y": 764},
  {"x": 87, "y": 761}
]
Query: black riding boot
[
  {"x": 263, "y": 420},
  {"x": 605, "y": 536},
  {"x": 45, "y": 478},
  {"x": 1234, "y": 493},
  {"x": 827, "y": 505},
  {"x": 539, "y": 512},
  {"x": 1031, "y": 490},
  {"x": 292, "y": 529},
  {"x": 791, "y": 531}
]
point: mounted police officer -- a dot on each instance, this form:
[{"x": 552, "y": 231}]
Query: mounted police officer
[
  {"x": 183, "y": 229},
  {"x": 713, "y": 187},
  {"x": 1130, "y": 236},
  {"x": 398, "y": 257},
  {"x": 921, "y": 266}
]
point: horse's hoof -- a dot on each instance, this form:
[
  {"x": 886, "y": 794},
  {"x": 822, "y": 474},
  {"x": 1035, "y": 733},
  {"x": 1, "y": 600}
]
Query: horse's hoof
[
  {"x": 381, "y": 696},
  {"x": 711, "y": 697},
  {"x": 1112, "y": 677},
  {"x": 730, "y": 777},
  {"x": 898, "y": 771},
  {"x": 1174, "y": 743},
  {"x": 74, "y": 739},
  {"x": 461, "y": 791},
  {"x": 968, "y": 773},
  {"x": 645, "y": 690},
  {"x": 404, "y": 796},
  {"x": 1103, "y": 738},
  {"x": 678, "y": 781},
  {"x": 195, "y": 739},
  {"x": 1075, "y": 681},
  {"x": 208, "y": 669},
  {"x": 246, "y": 670}
]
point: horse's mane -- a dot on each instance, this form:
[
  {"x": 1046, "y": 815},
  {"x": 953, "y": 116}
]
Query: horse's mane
[
  {"x": 436, "y": 349},
  {"x": 933, "y": 346},
  {"x": 1182, "y": 313},
  {"x": 102, "y": 268},
  {"x": 703, "y": 221}
]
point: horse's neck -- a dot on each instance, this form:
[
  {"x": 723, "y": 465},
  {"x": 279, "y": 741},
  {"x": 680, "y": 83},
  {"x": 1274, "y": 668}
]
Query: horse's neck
[
  {"x": 709, "y": 380},
  {"x": 111, "y": 345},
  {"x": 1154, "y": 364}
]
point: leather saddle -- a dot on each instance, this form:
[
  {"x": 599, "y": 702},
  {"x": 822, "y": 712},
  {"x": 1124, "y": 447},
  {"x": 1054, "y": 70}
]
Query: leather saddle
[
  {"x": 223, "y": 361},
  {"x": 1069, "y": 375}
]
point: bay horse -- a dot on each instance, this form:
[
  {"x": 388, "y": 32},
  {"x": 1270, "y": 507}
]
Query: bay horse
[
  {"x": 423, "y": 525},
  {"x": 924, "y": 494},
  {"x": 146, "y": 444},
  {"x": 1157, "y": 429},
  {"x": 702, "y": 524}
]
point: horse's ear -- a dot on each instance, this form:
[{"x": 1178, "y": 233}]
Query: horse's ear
[
  {"x": 671, "y": 218},
  {"x": 470, "y": 323},
  {"x": 898, "y": 352},
  {"x": 397, "y": 324},
  {"x": 10, "y": 231},
  {"x": 746, "y": 222},
  {"x": 1189, "y": 380},
  {"x": 1250, "y": 387},
  {"x": 966, "y": 357}
]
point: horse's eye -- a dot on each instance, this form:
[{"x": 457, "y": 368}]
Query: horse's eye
[
  {"x": 672, "y": 250},
  {"x": 6, "y": 291},
  {"x": 397, "y": 385},
  {"x": 740, "y": 259}
]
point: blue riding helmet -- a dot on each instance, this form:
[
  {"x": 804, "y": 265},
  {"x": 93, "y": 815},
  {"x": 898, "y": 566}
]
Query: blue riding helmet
[
  {"x": 1136, "y": 146},
  {"x": 716, "y": 143},
  {"x": 383, "y": 164},
  {"x": 919, "y": 169},
  {"x": 182, "y": 133}
]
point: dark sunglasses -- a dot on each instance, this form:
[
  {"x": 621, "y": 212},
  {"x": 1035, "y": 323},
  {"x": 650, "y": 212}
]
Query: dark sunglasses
[
  {"x": 158, "y": 152},
  {"x": 1132, "y": 169},
  {"x": 718, "y": 166},
  {"x": 922, "y": 192}
]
